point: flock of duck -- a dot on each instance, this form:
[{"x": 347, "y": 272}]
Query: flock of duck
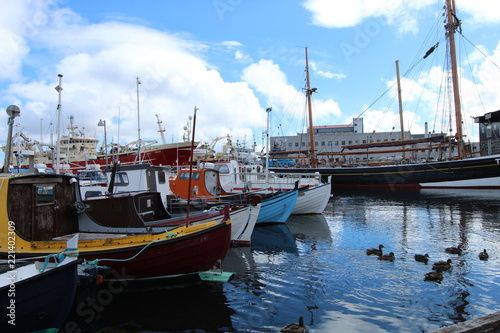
[
  {"x": 437, "y": 268},
  {"x": 435, "y": 275}
]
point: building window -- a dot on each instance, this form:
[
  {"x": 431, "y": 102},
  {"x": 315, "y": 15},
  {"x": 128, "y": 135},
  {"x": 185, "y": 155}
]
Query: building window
[{"x": 296, "y": 144}]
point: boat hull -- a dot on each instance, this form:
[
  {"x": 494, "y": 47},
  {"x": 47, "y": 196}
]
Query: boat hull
[
  {"x": 42, "y": 302},
  {"x": 312, "y": 200},
  {"x": 243, "y": 219},
  {"x": 278, "y": 208},
  {"x": 185, "y": 254},
  {"x": 478, "y": 172}
]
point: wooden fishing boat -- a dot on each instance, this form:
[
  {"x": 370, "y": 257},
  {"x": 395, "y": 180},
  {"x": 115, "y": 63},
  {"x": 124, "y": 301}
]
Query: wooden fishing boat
[
  {"x": 205, "y": 186},
  {"x": 47, "y": 209},
  {"x": 313, "y": 195},
  {"x": 37, "y": 297},
  {"x": 144, "y": 183}
]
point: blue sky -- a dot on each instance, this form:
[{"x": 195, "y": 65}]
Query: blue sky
[{"x": 234, "y": 58}]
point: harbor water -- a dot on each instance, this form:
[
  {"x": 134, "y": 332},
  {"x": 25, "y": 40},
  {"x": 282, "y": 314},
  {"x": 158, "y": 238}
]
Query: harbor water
[{"x": 316, "y": 267}]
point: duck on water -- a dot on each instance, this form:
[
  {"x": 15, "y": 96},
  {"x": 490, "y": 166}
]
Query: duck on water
[{"x": 376, "y": 252}]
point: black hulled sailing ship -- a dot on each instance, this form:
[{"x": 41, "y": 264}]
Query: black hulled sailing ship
[{"x": 462, "y": 170}]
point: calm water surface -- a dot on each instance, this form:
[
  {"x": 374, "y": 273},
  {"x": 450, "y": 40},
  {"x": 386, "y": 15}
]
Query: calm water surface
[{"x": 316, "y": 267}]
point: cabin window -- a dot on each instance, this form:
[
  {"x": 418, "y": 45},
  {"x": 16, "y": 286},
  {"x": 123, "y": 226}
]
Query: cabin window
[
  {"x": 45, "y": 195},
  {"x": 161, "y": 177},
  {"x": 488, "y": 132},
  {"x": 185, "y": 175},
  {"x": 121, "y": 179},
  {"x": 222, "y": 168}
]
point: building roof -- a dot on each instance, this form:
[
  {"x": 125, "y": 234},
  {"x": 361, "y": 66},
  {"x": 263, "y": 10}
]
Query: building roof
[{"x": 332, "y": 126}]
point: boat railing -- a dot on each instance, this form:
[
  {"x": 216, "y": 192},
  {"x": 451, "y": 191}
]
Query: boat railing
[{"x": 283, "y": 178}]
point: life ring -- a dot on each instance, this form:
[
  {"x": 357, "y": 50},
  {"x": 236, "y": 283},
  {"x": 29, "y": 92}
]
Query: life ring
[
  {"x": 303, "y": 162},
  {"x": 322, "y": 161}
]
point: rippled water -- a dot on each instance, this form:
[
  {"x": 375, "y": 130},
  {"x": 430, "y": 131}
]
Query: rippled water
[{"x": 316, "y": 267}]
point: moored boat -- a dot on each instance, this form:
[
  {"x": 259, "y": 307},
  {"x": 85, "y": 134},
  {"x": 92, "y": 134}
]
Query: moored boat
[
  {"x": 47, "y": 210},
  {"x": 37, "y": 296},
  {"x": 275, "y": 206},
  {"x": 460, "y": 169},
  {"x": 153, "y": 182},
  {"x": 78, "y": 149},
  {"x": 313, "y": 196}
]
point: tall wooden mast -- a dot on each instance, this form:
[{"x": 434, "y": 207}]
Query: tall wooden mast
[
  {"x": 400, "y": 104},
  {"x": 309, "y": 91},
  {"x": 451, "y": 25}
]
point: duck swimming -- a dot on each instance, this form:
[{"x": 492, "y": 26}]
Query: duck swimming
[
  {"x": 442, "y": 265},
  {"x": 422, "y": 257},
  {"x": 294, "y": 328},
  {"x": 377, "y": 252},
  {"x": 387, "y": 257},
  {"x": 433, "y": 276},
  {"x": 454, "y": 250},
  {"x": 483, "y": 255}
]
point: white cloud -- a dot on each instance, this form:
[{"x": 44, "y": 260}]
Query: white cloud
[
  {"x": 400, "y": 13},
  {"x": 232, "y": 43},
  {"x": 485, "y": 11},
  {"x": 326, "y": 74},
  {"x": 242, "y": 57},
  {"x": 342, "y": 14},
  {"x": 100, "y": 63},
  {"x": 19, "y": 20},
  {"x": 267, "y": 78}
]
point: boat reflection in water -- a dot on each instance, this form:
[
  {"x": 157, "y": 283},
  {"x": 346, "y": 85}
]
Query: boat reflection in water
[
  {"x": 273, "y": 238},
  {"x": 160, "y": 306}
]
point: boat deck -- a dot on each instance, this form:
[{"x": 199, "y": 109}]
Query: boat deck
[{"x": 89, "y": 236}]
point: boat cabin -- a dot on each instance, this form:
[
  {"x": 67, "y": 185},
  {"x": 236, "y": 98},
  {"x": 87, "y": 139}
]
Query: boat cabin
[
  {"x": 134, "y": 177},
  {"x": 489, "y": 133},
  {"x": 92, "y": 176},
  {"x": 43, "y": 206},
  {"x": 205, "y": 183}
]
